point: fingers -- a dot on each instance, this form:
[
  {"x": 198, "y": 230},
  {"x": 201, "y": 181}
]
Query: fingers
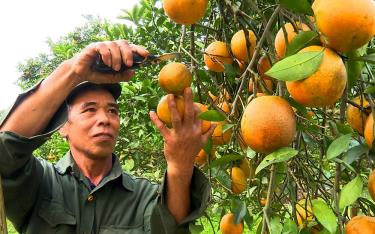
[
  {"x": 159, "y": 124},
  {"x": 175, "y": 115},
  {"x": 189, "y": 112},
  {"x": 126, "y": 52}
]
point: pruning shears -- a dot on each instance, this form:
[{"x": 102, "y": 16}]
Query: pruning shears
[{"x": 138, "y": 62}]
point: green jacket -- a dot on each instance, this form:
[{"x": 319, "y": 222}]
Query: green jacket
[{"x": 44, "y": 198}]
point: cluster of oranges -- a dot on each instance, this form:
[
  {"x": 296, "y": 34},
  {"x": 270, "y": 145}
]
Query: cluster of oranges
[{"x": 268, "y": 122}]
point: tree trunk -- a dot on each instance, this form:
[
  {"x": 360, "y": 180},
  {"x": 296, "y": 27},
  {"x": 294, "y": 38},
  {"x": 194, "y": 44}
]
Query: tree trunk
[{"x": 3, "y": 223}]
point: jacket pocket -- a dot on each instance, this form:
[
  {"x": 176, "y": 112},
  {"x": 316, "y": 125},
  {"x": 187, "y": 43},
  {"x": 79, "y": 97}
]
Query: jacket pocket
[{"x": 57, "y": 218}]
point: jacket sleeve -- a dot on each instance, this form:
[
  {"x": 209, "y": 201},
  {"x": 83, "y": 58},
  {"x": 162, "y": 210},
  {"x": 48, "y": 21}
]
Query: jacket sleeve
[
  {"x": 162, "y": 220},
  {"x": 21, "y": 173}
]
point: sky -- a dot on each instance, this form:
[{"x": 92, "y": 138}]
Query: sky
[{"x": 25, "y": 26}]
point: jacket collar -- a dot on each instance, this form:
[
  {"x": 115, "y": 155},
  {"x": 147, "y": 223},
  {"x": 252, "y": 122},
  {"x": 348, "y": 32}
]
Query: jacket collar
[{"x": 68, "y": 165}]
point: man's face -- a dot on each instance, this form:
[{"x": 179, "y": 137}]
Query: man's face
[{"x": 93, "y": 124}]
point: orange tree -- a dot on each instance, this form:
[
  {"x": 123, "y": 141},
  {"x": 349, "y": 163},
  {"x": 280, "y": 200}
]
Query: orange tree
[{"x": 287, "y": 156}]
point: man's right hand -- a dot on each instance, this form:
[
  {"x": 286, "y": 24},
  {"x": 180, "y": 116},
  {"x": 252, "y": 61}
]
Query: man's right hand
[{"x": 113, "y": 54}]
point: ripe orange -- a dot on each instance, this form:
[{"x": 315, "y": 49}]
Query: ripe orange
[
  {"x": 224, "y": 106},
  {"x": 185, "y": 11},
  {"x": 220, "y": 138},
  {"x": 325, "y": 86},
  {"x": 360, "y": 225},
  {"x": 263, "y": 66},
  {"x": 355, "y": 117},
  {"x": 202, "y": 158},
  {"x": 268, "y": 123},
  {"x": 247, "y": 168},
  {"x": 260, "y": 88},
  {"x": 345, "y": 25},
  {"x": 216, "y": 55},
  {"x": 174, "y": 78},
  {"x": 371, "y": 184},
  {"x": 238, "y": 180},
  {"x": 280, "y": 44},
  {"x": 227, "y": 225},
  {"x": 369, "y": 130},
  {"x": 205, "y": 124},
  {"x": 238, "y": 45},
  {"x": 163, "y": 111},
  {"x": 304, "y": 212}
]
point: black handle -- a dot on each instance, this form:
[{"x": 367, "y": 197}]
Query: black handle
[{"x": 138, "y": 61}]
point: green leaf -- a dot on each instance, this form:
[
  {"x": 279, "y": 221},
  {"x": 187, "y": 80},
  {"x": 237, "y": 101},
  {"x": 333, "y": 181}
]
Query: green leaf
[
  {"x": 350, "y": 192},
  {"x": 298, "y": 6},
  {"x": 353, "y": 68},
  {"x": 324, "y": 215},
  {"x": 208, "y": 146},
  {"x": 280, "y": 155},
  {"x": 225, "y": 160},
  {"x": 195, "y": 229},
  {"x": 338, "y": 146},
  {"x": 250, "y": 153},
  {"x": 296, "y": 67},
  {"x": 239, "y": 210},
  {"x": 222, "y": 177},
  {"x": 354, "y": 153},
  {"x": 302, "y": 40},
  {"x": 370, "y": 89},
  {"x": 366, "y": 58},
  {"x": 211, "y": 115},
  {"x": 275, "y": 225},
  {"x": 290, "y": 227},
  {"x": 226, "y": 127}
]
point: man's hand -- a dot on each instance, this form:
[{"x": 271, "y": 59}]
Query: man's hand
[
  {"x": 113, "y": 54},
  {"x": 183, "y": 141},
  {"x": 181, "y": 144}
]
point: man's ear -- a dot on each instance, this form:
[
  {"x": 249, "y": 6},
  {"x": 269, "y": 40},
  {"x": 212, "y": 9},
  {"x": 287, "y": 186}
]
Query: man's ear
[{"x": 64, "y": 131}]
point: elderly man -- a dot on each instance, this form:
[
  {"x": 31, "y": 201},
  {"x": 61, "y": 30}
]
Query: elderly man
[{"x": 86, "y": 191}]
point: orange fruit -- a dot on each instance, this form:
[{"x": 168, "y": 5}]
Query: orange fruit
[
  {"x": 238, "y": 45},
  {"x": 360, "y": 225},
  {"x": 227, "y": 225},
  {"x": 369, "y": 130},
  {"x": 216, "y": 55},
  {"x": 371, "y": 184},
  {"x": 263, "y": 66},
  {"x": 205, "y": 124},
  {"x": 247, "y": 168},
  {"x": 202, "y": 158},
  {"x": 238, "y": 180},
  {"x": 345, "y": 25},
  {"x": 268, "y": 123},
  {"x": 357, "y": 118},
  {"x": 185, "y": 11},
  {"x": 260, "y": 88},
  {"x": 280, "y": 44},
  {"x": 263, "y": 201},
  {"x": 224, "y": 106},
  {"x": 325, "y": 86},
  {"x": 174, "y": 78},
  {"x": 163, "y": 112},
  {"x": 304, "y": 212},
  {"x": 220, "y": 138}
]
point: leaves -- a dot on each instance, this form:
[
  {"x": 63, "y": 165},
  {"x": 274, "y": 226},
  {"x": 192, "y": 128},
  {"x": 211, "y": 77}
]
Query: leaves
[
  {"x": 302, "y": 40},
  {"x": 324, "y": 215},
  {"x": 195, "y": 229},
  {"x": 366, "y": 58},
  {"x": 298, "y": 6},
  {"x": 211, "y": 115},
  {"x": 280, "y": 155},
  {"x": 275, "y": 225},
  {"x": 350, "y": 192},
  {"x": 226, "y": 159},
  {"x": 296, "y": 67},
  {"x": 338, "y": 146},
  {"x": 290, "y": 227},
  {"x": 353, "y": 68},
  {"x": 239, "y": 210}
]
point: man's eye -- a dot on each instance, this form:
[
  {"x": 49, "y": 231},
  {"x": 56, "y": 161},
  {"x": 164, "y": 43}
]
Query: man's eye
[
  {"x": 113, "y": 111},
  {"x": 89, "y": 110}
]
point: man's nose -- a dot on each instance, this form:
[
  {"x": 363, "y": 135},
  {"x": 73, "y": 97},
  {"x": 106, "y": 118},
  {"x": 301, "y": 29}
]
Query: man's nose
[{"x": 103, "y": 117}]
